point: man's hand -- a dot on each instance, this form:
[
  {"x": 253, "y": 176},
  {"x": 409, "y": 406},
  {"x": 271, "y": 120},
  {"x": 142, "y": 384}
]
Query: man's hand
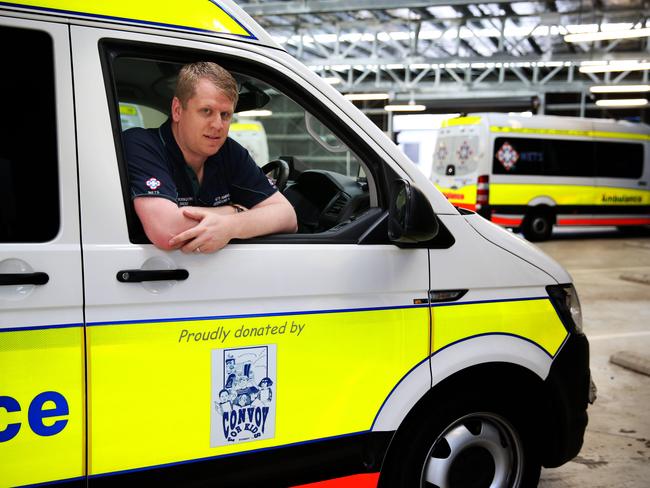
[{"x": 213, "y": 230}]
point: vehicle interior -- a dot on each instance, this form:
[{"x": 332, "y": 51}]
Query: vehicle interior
[{"x": 328, "y": 185}]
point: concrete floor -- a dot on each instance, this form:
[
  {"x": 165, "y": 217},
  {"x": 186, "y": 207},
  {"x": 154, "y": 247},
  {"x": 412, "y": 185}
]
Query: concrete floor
[{"x": 616, "y": 315}]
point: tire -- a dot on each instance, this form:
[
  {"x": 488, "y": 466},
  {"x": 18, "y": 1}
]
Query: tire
[
  {"x": 538, "y": 226},
  {"x": 467, "y": 445}
]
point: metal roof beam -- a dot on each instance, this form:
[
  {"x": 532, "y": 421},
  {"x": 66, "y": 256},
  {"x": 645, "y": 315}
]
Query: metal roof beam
[{"x": 326, "y": 6}]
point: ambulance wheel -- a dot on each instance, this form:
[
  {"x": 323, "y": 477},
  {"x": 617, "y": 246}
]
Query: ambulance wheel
[
  {"x": 538, "y": 226},
  {"x": 466, "y": 447},
  {"x": 280, "y": 172}
]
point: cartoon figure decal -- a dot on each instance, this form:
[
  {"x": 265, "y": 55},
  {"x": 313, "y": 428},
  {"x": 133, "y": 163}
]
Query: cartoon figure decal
[
  {"x": 243, "y": 400},
  {"x": 507, "y": 156}
]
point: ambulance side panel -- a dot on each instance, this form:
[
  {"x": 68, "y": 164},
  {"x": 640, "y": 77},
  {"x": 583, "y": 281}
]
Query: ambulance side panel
[
  {"x": 332, "y": 326},
  {"x": 42, "y": 373}
]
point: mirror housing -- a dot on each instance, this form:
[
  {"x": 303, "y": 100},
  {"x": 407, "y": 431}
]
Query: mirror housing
[{"x": 410, "y": 217}]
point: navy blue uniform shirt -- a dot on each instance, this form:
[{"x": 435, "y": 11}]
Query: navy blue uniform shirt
[{"x": 157, "y": 168}]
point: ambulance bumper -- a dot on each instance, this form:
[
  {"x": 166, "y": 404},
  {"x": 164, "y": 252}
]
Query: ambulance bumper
[{"x": 570, "y": 389}]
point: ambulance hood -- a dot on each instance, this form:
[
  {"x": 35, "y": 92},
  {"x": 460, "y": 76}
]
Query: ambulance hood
[{"x": 519, "y": 247}]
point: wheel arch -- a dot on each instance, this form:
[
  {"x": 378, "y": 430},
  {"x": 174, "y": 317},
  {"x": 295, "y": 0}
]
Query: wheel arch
[{"x": 514, "y": 385}]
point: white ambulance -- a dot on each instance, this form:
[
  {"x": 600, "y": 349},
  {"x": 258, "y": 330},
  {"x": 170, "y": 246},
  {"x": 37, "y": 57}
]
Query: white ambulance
[
  {"x": 393, "y": 341},
  {"x": 532, "y": 173}
]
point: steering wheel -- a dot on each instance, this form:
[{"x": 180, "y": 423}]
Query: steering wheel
[{"x": 279, "y": 170}]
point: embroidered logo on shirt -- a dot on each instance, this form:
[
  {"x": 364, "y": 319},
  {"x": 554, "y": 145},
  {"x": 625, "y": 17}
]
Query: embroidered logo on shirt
[{"x": 153, "y": 183}]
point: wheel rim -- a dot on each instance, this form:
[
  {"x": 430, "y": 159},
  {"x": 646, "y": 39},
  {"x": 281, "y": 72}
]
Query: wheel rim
[
  {"x": 539, "y": 225},
  {"x": 480, "y": 450}
]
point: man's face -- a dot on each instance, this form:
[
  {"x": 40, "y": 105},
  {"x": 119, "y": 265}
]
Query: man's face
[{"x": 202, "y": 125}]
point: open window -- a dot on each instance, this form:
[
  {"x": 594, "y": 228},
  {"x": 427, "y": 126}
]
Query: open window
[{"x": 336, "y": 191}]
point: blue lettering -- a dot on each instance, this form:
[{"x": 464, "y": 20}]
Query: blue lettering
[
  {"x": 37, "y": 413},
  {"x": 265, "y": 413},
  {"x": 10, "y": 405},
  {"x": 225, "y": 424}
]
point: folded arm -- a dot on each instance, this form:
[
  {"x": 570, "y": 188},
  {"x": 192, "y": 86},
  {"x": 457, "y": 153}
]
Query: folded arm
[{"x": 169, "y": 227}]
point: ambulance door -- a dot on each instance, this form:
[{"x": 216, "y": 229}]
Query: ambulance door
[
  {"x": 623, "y": 198},
  {"x": 254, "y": 365},
  {"x": 42, "y": 404}
]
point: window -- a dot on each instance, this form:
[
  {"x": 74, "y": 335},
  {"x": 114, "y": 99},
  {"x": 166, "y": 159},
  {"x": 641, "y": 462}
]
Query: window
[
  {"x": 29, "y": 189},
  {"x": 619, "y": 159},
  {"x": 456, "y": 155},
  {"x": 544, "y": 157},
  {"x": 329, "y": 185}
]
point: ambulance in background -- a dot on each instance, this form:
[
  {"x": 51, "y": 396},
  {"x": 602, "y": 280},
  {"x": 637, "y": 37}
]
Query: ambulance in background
[
  {"x": 250, "y": 133},
  {"x": 533, "y": 173}
]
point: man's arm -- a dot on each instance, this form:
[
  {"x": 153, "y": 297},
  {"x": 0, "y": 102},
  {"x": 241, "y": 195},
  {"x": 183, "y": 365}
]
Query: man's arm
[
  {"x": 162, "y": 219},
  {"x": 213, "y": 230}
]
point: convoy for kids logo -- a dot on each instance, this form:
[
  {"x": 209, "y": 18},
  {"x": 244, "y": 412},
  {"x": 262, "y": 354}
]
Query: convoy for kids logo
[{"x": 243, "y": 395}]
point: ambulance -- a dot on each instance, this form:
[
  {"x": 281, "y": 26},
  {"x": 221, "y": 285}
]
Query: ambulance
[
  {"x": 534, "y": 173},
  {"x": 394, "y": 341}
]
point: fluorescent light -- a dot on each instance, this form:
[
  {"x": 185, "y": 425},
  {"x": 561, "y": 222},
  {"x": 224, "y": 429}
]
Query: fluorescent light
[
  {"x": 619, "y": 88},
  {"x": 607, "y": 36},
  {"x": 332, "y": 80},
  {"x": 367, "y": 96},
  {"x": 629, "y": 102},
  {"x": 608, "y": 68},
  {"x": 255, "y": 113},
  {"x": 410, "y": 107}
]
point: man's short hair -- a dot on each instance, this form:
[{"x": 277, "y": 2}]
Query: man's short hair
[{"x": 190, "y": 74}]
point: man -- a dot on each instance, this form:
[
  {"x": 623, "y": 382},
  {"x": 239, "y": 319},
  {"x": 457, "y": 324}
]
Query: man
[{"x": 194, "y": 188}]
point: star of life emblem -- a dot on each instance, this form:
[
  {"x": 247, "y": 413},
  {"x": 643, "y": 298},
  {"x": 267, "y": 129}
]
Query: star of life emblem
[
  {"x": 153, "y": 183},
  {"x": 507, "y": 156},
  {"x": 464, "y": 152},
  {"x": 442, "y": 152}
]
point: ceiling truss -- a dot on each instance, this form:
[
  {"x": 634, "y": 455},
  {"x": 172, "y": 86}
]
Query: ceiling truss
[{"x": 456, "y": 49}]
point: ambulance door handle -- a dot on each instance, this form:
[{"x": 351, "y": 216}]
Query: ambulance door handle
[
  {"x": 38, "y": 278},
  {"x": 140, "y": 275},
  {"x": 643, "y": 183}
]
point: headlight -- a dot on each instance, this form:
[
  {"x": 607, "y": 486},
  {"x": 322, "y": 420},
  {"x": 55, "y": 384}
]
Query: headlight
[{"x": 566, "y": 303}]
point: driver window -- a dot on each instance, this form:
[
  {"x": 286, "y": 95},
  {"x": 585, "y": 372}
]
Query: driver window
[{"x": 327, "y": 183}]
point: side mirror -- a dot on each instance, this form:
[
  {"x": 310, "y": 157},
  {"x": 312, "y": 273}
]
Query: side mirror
[{"x": 410, "y": 217}]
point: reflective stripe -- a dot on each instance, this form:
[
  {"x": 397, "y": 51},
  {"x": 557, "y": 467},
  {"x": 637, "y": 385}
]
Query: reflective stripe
[
  {"x": 33, "y": 362},
  {"x": 472, "y": 120},
  {"x": 603, "y": 220},
  {"x": 191, "y": 15},
  {"x": 369, "y": 480},
  {"x": 570, "y": 133},
  {"x": 507, "y": 220},
  {"x": 331, "y": 381},
  {"x": 463, "y": 196},
  {"x": 533, "y": 320},
  {"x": 522, "y": 194}
]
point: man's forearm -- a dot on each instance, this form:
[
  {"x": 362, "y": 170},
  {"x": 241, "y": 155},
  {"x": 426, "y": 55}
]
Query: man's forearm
[
  {"x": 269, "y": 219},
  {"x": 161, "y": 219}
]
